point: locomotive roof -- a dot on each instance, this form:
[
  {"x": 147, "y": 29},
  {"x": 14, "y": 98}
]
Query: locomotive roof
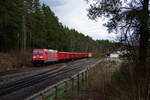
[{"x": 51, "y": 50}]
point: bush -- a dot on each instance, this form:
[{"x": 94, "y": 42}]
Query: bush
[
  {"x": 13, "y": 60},
  {"x": 121, "y": 74}
]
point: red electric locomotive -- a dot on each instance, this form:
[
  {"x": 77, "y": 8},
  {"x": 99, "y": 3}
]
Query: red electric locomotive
[{"x": 42, "y": 56}]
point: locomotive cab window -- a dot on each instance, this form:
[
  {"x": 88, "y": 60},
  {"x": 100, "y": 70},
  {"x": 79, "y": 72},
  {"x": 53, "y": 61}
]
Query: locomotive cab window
[{"x": 38, "y": 52}]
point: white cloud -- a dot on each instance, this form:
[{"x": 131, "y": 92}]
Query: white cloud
[{"x": 73, "y": 14}]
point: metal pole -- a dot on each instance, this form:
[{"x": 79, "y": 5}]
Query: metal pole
[
  {"x": 71, "y": 44},
  {"x": 86, "y": 77},
  {"x": 24, "y": 41},
  {"x": 78, "y": 82},
  {"x": 43, "y": 96},
  {"x": 72, "y": 86},
  {"x": 87, "y": 72},
  {"x": 56, "y": 92},
  {"x": 66, "y": 90},
  {"x": 83, "y": 78}
]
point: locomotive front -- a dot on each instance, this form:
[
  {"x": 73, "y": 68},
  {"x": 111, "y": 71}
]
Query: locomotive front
[{"x": 38, "y": 56}]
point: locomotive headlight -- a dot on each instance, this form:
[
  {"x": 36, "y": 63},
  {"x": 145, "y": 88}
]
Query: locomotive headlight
[
  {"x": 34, "y": 56},
  {"x": 41, "y": 56}
]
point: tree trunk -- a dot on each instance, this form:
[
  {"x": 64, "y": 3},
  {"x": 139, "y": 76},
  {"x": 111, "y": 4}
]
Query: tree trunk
[{"x": 144, "y": 34}]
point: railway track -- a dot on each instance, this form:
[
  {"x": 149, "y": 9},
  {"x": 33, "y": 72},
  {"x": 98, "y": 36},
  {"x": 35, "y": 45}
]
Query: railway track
[
  {"x": 11, "y": 87},
  {"x": 17, "y": 72}
]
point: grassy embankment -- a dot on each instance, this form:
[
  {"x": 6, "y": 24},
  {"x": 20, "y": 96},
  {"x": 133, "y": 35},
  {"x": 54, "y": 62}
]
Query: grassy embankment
[{"x": 108, "y": 81}]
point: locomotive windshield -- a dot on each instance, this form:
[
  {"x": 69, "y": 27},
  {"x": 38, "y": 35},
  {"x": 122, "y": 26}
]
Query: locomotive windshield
[{"x": 38, "y": 52}]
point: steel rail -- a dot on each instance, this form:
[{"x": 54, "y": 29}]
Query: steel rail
[{"x": 29, "y": 81}]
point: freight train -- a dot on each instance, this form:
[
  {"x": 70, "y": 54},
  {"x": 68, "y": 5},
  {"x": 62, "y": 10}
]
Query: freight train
[{"x": 43, "y": 56}]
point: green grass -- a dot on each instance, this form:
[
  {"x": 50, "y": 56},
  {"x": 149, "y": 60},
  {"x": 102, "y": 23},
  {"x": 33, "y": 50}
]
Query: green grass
[
  {"x": 62, "y": 96},
  {"x": 121, "y": 74},
  {"x": 52, "y": 95},
  {"x": 99, "y": 77}
]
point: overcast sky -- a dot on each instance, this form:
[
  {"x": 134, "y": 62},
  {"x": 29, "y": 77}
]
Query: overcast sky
[{"x": 73, "y": 14}]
